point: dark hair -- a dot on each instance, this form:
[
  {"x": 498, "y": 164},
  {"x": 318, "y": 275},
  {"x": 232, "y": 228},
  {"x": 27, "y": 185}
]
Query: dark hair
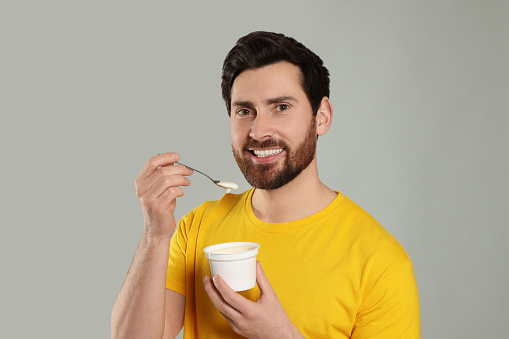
[{"x": 259, "y": 49}]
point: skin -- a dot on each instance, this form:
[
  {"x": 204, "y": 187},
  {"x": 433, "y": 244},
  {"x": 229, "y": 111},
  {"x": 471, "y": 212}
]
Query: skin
[
  {"x": 144, "y": 307},
  {"x": 267, "y": 175}
]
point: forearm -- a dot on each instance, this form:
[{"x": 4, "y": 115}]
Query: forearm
[
  {"x": 140, "y": 306},
  {"x": 294, "y": 333}
]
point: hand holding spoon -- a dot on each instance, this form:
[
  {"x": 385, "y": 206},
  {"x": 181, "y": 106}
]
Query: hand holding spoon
[{"x": 228, "y": 186}]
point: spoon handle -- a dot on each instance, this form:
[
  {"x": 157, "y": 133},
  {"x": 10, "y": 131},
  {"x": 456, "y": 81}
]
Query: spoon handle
[{"x": 179, "y": 163}]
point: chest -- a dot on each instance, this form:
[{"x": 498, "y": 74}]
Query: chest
[{"x": 314, "y": 274}]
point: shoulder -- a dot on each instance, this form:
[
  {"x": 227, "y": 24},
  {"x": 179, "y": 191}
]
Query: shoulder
[
  {"x": 217, "y": 208},
  {"x": 373, "y": 239}
]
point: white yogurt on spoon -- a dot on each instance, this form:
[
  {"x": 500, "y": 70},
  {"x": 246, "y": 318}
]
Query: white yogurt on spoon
[{"x": 228, "y": 186}]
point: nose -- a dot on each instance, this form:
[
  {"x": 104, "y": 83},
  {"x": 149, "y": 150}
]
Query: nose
[{"x": 261, "y": 128}]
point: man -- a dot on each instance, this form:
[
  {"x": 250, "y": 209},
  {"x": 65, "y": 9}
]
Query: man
[{"x": 329, "y": 269}]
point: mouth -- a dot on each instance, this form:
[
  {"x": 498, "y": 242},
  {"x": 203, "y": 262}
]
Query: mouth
[{"x": 264, "y": 153}]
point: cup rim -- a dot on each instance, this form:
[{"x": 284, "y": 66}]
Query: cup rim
[{"x": 231, "y": 256}]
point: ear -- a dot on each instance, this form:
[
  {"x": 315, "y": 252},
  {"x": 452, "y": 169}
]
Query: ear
[{"x": 323, "y": 117}]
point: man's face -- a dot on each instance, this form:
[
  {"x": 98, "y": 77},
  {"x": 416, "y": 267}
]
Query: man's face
[{"x": 272, "y": 125}]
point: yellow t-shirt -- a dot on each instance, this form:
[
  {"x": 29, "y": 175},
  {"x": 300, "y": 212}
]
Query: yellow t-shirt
[{"x": 337, "y": 273}]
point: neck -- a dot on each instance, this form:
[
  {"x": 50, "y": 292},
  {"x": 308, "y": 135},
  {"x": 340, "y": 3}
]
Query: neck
[{"x": 303, "y": 196}]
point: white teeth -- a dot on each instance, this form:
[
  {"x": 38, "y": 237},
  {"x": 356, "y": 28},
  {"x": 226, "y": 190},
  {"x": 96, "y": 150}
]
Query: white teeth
[{"x": 267, "y": 152}]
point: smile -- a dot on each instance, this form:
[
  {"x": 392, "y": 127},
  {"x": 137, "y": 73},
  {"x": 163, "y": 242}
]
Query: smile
[{"x": 267, "y": 152}]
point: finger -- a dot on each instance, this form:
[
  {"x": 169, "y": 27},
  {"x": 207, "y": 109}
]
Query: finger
[
  {"x": 166, "y": 182},
  {"x": 171, "y": 170},
  {"x": 171, "y": 194},
  {"x": 154, "y": 163},
  {"x": 232, "y": 298},
  {"x": 169, "y": 197},
  {"x": 217, "y": 299},
  {"x": 262, "y": 281}
]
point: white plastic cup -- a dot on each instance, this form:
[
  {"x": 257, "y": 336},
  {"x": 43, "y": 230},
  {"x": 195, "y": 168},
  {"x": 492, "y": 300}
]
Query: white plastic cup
[{"x": 235, "y": 262}]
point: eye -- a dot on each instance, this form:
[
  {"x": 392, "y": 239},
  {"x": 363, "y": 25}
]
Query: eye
[
  {"x": 282, "y": 107},
  {"x": 243, "y": 111}
]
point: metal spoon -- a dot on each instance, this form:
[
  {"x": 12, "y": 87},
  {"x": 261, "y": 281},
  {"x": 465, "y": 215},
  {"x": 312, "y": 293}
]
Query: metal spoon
[{"x": 228, "y": 186}]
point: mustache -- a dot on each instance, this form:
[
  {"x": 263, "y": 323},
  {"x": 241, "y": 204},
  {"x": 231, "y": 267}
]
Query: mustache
[{"x": 252, "y": 143}]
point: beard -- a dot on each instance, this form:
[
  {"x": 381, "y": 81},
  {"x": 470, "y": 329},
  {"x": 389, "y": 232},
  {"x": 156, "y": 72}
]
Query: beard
[{"x": 267, "y": 176}]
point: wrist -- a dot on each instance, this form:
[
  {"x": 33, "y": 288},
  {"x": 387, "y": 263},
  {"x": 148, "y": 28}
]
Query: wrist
[
  {"x": 157, "y": 235},
  {"x": 291, "y": 332},
  {"x": 151, "y": 241}
]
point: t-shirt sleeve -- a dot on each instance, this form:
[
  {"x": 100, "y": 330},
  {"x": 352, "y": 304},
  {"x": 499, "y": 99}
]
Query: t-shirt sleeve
[
  {"x": 392, "y": 308},
  {"x": 176, "y": 274}
]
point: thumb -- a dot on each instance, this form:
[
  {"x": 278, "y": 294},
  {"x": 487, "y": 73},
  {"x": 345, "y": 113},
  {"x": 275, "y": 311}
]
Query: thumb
[{"x": 262, "y": 281}]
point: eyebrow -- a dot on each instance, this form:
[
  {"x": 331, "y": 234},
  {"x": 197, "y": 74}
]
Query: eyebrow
[
  {"x": 268, "y": 101},
  {"x": 279, "y": 99},
  {"x": 242, "y": 103}
]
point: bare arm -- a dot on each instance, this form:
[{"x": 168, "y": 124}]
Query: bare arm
[
  {"x": 140, "y": 309},
  {"x": 144, "y": 307}
]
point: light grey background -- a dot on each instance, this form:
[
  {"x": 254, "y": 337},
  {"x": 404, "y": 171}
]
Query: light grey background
[{"x": 91, "y": 89}]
